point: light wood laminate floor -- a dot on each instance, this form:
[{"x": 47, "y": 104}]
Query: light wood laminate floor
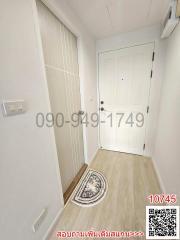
[{"x": 131, "y": 179}]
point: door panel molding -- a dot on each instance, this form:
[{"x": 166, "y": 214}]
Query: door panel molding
[{"x": 128, "y": 68}]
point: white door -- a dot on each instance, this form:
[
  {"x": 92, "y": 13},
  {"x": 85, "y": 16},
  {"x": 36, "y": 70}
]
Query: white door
[
  {"x": 61, "y": 63},
  {"x": 124, "y": 88}
]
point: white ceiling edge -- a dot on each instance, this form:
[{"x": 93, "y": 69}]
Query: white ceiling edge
[
  {"x": 126, "y": 39},
  {"x": 140, "y": 29}
]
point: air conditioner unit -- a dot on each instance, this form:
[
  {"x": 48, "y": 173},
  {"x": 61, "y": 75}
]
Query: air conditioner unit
[{"x": 170, "y": 20}]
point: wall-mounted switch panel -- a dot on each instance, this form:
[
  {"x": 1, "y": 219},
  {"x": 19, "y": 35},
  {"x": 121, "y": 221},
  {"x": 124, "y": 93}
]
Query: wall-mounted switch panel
[{"x": 14, "y": 107}]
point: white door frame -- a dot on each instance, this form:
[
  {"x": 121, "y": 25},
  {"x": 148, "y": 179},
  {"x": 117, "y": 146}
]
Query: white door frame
[{"x": 150, "y": 90}]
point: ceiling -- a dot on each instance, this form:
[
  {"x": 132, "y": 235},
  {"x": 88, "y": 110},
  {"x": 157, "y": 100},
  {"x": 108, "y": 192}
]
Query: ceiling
[{"x": 108, "y": 17}]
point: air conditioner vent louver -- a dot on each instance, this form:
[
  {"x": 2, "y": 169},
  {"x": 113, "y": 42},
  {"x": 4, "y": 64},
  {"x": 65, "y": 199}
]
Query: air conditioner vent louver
[{"x": 170, "y": 20}]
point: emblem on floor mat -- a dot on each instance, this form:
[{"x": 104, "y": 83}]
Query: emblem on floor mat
[{"x": 91, "y": 190}]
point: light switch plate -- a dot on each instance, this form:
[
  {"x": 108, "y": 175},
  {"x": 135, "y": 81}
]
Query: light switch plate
[{"x": 13, "y": 107}]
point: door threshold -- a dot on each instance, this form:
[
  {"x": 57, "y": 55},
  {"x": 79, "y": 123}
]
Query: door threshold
[
  {"x": 118, "y": 151},
  {"x": 74, "y": 183}
]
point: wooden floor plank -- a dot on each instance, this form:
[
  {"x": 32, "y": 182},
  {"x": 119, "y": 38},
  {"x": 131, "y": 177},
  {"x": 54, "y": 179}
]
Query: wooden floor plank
[{"x": 130, "y": 179}]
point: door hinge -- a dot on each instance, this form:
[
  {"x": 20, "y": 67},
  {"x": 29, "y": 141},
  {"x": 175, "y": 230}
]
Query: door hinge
[
  {"x": 147, "y": 109},
  {"x": 153, "y": 56},
  {"x": 144, "y": 146},
  {"x": 151, "y": 73}
]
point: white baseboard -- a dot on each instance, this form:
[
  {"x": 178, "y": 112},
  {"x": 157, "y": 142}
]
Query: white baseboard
[
  {"x": 54, "y": 222},
  {"x": 51, "y": 227},
  {"x": 93, "y": 156},
  {"x": 162, "y": 186}
]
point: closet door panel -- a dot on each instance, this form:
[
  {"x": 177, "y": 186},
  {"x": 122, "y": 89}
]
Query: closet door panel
[
  {"x": 63, "y": 132},
  {"x": 52, "y": 40},
  {"x": 61, "y": 63}
]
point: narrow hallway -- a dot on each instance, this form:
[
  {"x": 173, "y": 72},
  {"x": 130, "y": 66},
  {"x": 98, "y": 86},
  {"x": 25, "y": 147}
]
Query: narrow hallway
[{"x": 90, "y": 119}]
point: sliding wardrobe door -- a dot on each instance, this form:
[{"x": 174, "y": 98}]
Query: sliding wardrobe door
[{"x": 61, "y": 63}]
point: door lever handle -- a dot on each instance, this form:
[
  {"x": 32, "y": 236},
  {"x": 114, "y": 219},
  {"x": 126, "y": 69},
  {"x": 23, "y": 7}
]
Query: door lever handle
[{"x": 80, "y": 112}]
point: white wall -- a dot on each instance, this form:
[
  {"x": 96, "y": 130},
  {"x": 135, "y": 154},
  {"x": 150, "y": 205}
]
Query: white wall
[
  {"x": 128, "y": 39},
  {"x": 29, "y": 176},
  {"x": 28, "y": 161},
  {"x": 146, "y": 35},
  {"x": 167, "y": 148},
  {"x": 87, "y": 69}
]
